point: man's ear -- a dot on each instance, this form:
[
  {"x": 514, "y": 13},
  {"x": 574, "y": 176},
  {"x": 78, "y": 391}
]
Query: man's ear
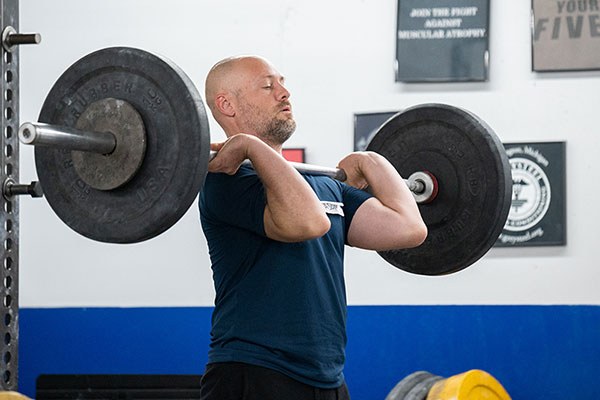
[{"x": 224, "y": 105}]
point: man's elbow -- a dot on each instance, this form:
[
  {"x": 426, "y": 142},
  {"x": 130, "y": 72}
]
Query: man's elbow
[
  {"x": 306, "y": 229},
  {"x": 314, "y": 228},
  {"x": 418, "y": 234}
]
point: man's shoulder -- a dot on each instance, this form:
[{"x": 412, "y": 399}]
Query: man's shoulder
[{"x": 215, "y": 178}]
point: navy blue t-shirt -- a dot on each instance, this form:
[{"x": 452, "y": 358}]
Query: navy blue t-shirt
[{"x": 278, "y": 305}]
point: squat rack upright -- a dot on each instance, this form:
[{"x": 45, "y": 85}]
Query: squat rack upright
[{"x": 9, "y": 202}]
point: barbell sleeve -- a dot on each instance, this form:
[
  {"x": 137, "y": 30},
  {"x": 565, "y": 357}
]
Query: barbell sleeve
[{"x": 63, "y": 137}]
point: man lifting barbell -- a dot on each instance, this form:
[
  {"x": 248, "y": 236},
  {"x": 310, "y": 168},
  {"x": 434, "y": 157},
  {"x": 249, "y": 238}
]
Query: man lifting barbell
[
  {"x": 276, "y": 240},
  {"x": 123, "y": 148}
]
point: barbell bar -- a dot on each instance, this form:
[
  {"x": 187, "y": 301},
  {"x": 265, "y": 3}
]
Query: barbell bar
[
  {"x": 420, "y": 183},
  {"x": 62, "y": 137},
  {"x": 122, "y": 147}
]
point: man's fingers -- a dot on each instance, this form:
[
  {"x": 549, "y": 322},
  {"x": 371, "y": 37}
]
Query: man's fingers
[{"x": 216, "y": 146}]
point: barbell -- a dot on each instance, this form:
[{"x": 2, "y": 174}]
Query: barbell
[{"x": 122, "y": 149}]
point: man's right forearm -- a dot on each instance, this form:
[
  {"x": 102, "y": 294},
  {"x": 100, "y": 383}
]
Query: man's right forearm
[{"x": 293, "y": 212}]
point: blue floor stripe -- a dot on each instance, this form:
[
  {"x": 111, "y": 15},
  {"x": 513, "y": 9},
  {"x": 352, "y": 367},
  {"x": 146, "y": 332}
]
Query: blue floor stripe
[{"x": 536, "y": 352}]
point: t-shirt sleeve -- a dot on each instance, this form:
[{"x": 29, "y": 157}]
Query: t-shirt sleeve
[
  {"x": 353, "y": 198},
  {"x": 237, "y": 200}
]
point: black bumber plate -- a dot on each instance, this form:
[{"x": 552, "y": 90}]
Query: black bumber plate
[
  {"x": 474, "y": 179},
  {"x": 404, "y": 387},
  {"x": 176, "y": 158}
]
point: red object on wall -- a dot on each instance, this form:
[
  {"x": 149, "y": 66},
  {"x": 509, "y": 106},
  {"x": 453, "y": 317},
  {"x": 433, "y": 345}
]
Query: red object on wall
[{"x": 295, "y": 155}]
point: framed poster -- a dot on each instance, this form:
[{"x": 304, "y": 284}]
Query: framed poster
[
  {"x": 366, "y": 126},
  {"x": 537, "y": 215},
  {"x": 442, "y": 40},
  {"x": 565, "y": 35}
]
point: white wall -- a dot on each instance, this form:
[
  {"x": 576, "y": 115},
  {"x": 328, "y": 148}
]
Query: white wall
[{"x": 338, "y": 57}]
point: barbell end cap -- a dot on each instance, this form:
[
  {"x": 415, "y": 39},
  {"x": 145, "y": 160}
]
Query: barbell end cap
[
  {"x": 27, "y": 133},
  {"x": 428, "y": 182}
]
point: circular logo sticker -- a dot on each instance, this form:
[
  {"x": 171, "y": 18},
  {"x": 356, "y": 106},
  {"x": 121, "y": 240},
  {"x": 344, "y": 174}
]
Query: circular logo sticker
[{"x": 530, "y": 195}]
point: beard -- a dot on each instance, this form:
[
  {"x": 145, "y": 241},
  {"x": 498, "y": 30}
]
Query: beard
[
  {"x": 272, "y": 129},
  {"x": 278, "y": 130}
]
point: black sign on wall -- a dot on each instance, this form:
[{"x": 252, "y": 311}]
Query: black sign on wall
[
  {"x": 366, "y": 125},
  {"x": 566, "y": 35},
  {"x": 537, "y": 214},
  {"x": 442, "y": 40}
]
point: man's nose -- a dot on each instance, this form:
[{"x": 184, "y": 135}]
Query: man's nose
[{"x": 282, "y": 93}]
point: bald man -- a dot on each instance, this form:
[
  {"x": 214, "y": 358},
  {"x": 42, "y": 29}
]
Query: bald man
[{"x": 276, "y": 241}]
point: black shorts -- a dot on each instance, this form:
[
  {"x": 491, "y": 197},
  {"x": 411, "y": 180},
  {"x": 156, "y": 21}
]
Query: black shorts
[{"x": 239, "y": 381}]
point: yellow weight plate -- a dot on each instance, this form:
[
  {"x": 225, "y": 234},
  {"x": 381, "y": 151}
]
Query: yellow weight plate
[
  {"x": 12, "y": 396},
  {"x": 471, "y": 385}
]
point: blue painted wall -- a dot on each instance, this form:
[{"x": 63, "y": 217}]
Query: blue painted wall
[{"x": 536, "y": 352}]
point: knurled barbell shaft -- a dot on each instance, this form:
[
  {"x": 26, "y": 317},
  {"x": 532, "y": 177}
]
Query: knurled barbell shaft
[
  {"x": 309, "y": 169},
  {"x": 63, "y": 137},
  {"x": 68, "y": 138},
  {"x": 415, "y": 186}
]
